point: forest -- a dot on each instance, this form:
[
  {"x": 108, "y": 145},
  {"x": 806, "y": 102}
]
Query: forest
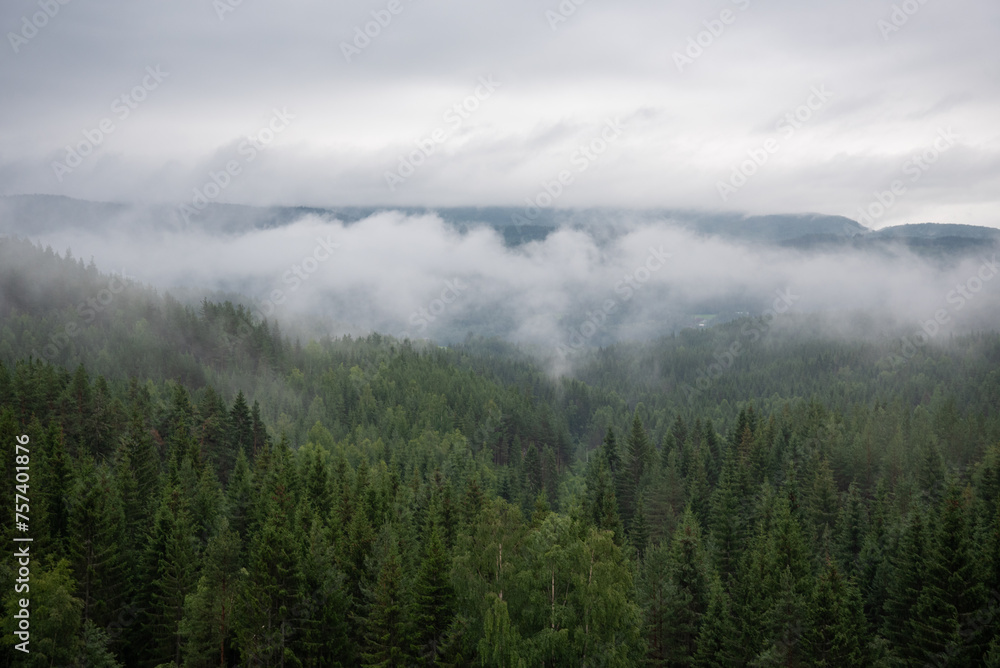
[{"x": 212, "y": 489}]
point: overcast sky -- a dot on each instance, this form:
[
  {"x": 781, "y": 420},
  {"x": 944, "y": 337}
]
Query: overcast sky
[{"x": 667, "y": 120}]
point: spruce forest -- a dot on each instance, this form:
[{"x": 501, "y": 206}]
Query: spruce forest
[{"x": 207, "y": 490}]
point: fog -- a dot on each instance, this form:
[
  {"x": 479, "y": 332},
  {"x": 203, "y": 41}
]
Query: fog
[{"x": 587, "y": 283}]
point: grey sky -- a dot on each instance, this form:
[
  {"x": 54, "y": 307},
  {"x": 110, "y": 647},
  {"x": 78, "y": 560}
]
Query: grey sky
[{"x": 684, "y": 129}]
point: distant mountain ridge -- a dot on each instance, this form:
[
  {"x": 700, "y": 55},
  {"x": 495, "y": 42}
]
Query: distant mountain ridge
[{"x": 36, "y": 214}]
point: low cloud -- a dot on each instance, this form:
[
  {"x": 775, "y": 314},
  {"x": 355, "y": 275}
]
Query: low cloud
[{"x": 628, "y": 277}]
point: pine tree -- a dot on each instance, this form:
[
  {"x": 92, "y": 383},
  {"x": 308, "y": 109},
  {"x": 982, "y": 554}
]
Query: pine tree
[
  {"x": 629, "y": 476},
  {"x": 654, "y": 592},
  {"x": 239, "y": 495},
  {"x": 168, "y": 576},
  {"x": 387, "y": 629},
  {"x": 639, "y": 534},
  {"x": 727, "y": 521},
  {"x": 821, "y": 498},
  {"x": 931, "y": 472},
  {"x": 609, "y": 451},
  {"x": 145, "y": 463},
  {"x": 836, "y": 634},
  {"x": 55, "y": 485},
  {"x": 719, "y": 638},
  {"x": 212, "y": 428},
  {"x": 687, "y": 601},
  {"x": 181, "y": 444},
  {"x": 785, "y": 624},
  {"x": 640, "y": 450},
  {"x": 270, "y": 590},
  {"x": 322, "y": 609},
  {"x": 909, "y": 564},
  {"x": 472, "y": 501},
  {"x": 953, "y": 590},
  {"x": 257, "y": 429},
  {"x": 96, "y": 541},
  {"x": 77, "y": 414},
  {"x": 241, "y": 435},
  {"x": 851, "y": 529},
  {"x": 209, "y": 609},
  {"x": 697, "y": 487},
  {"x": 601, "y": 506},
  {"x": 433, "y": 607}
]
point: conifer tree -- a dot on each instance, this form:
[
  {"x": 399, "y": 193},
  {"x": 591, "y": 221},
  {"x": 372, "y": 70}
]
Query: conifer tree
[
  {"x": 387, "y": 636},
  {"x": 727, "y": 521},
  {"x": 639, "y": 534},
  {"x": 54, "y": 490},
  {"x": 953, "y": 590},
  {"x": 718, "y": 644},
  {"x": 322, "y": 608},
  {"x": 268, "y": 628},
  {"x": 207, "y": 627},
  {"x": 241, "y": 436},
  {"x": 167, "y": 576},
  {"x": 684, "y": 596},
  {"x": 433, "y": 607},
  {"x": 96, "y": 538},
  {"x": 851, "y": 530},
  {"x": 909, "y": 564},
  {"x": 836, "y": 634}
]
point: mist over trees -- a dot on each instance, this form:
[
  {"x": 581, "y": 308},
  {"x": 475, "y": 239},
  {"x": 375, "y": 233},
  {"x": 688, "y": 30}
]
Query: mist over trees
[{"x": 207, "y": 490}]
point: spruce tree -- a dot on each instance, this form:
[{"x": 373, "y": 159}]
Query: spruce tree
[
  {"x": 96, "y": 541},
  {"x": 836, "y": 634},
  {"x": 684, "y": 597},
  {"x": 207, "y": 627},
  {"x": 433, "y": 600},
  {"x": 953, "y": 591},
  {"x": 387, "y": 629},
  {"x": 909, "y": 564},
  {"x": 718, "y": 644},
  {"x": 167, "y": 576}
]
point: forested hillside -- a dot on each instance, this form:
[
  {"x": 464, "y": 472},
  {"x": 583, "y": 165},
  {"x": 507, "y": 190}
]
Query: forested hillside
[{"x": 208, "y": 491}]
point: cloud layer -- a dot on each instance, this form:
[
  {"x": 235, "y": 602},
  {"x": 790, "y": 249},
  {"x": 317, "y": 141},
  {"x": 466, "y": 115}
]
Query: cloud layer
[
  {"x": 698, "y": 88},
  {"x": 418, "y": 276}
]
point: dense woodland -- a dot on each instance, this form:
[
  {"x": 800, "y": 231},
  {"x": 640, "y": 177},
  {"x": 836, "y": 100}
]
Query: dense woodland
[{"x": 207, "y": 491}]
